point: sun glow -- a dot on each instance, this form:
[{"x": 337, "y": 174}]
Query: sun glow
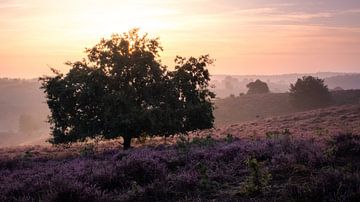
[
  {"x": 94, "y": 22},
  {"x": 243, "y": 37}
]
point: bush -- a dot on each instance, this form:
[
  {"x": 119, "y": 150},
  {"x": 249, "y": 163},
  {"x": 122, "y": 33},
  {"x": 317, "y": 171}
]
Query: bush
[
  {"x": 257, "y": 87},
  {"x": 87, "y": 150},
  {"x": 345, "y": 144},
  {"x": 258, "y": 180},
  {"x": 309, "y": 92}
]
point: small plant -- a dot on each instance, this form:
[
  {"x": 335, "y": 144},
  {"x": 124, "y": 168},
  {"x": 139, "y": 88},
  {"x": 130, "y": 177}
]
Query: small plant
[
  {"x": 272, "y": 134},
  {"x": 278, "y": 134},
  {"x": 229, "y": 138},
  {"x": 183, "y": 143},
  {"x": 203, "y": 142},
  {"x": 205, "y": 182},
  {"x": 88, "y": 149},
  {"x": 258, "y": 180},
  {"x": 345, "y": 144},
  {"x": 253, "y": 135},
  {"x": 28, "y": 154},
  {"x": 321, "y": 131},
  {"x": 142, "y": 139},
  {"x": 135, "y": 188}
]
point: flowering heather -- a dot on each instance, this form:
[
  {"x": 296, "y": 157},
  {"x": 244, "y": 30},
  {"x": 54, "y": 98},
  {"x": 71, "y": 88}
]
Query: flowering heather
[
  {"x": 281, "y": 167},
  {"x": 319, "y": 124}
]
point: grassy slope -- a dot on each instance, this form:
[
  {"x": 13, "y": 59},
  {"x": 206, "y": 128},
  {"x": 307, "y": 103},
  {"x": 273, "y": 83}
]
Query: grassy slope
[
  {"x": 316, "y": 123},
  {"x": 313, "y": 123},
  {"x": 233, "y": 110},
  {"x": 278, "y": 167}
]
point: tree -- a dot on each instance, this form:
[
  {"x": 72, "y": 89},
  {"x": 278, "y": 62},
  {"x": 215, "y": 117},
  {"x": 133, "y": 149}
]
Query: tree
[
  {"x": 309, "y": 92},
  {"x": 257, "y": 87},
  {"x": 123, "y": 90}
]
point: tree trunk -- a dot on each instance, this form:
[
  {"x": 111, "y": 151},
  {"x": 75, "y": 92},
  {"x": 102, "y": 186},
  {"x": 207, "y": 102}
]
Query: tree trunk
[{"x": 127, "y": 142}]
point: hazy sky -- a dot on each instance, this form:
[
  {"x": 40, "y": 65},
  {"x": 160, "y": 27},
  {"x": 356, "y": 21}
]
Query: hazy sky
[{"x": 245, "y": 37}]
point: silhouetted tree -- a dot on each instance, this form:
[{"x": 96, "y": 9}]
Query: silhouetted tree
[
  {"x": 309, "y": 92},
  {"x": 122, "y": 89},
  {"x": 257, "y": 87}
]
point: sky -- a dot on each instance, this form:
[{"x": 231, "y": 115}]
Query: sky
[{"x": 244, "y": 37}]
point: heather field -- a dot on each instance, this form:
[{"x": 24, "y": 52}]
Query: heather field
[
  {"x": 318, "y": 123},
  {"x": 307, "y": 156},
  {"x": 184, "y": 101}
]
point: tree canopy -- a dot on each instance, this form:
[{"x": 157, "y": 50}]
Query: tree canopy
[
  {"x": 309, "y": 92},
  {"x": 257, "y": 87},
  {"x": 122, "y": 90}
]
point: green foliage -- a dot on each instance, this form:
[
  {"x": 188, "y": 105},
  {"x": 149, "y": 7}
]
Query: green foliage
[
  {"x": 205, "y": 183},
  {"x": 258, "y": 180},
  {"x": 28, "y": 154},
  {"x": 88, "y": 149},
  {"x": 191, "y": 82},
  {"x": 285, "y": 134},
  {"x": 344, "y": 144},
  {"x": 142, "y": 139},
  {"x": 229, "y": 138},
  {"x": 184, "y": 143},
  {"x": 203, "y": 142},
  {"x": 122, "y": 89},
  {"x": 309, "y": 92},
  {"x": 319, "y": 131},
  {"x": 257, "y": 87}
]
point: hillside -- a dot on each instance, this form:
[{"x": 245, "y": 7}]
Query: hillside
[
  {"x": 306, "y": 156},
  {"x": 232, "y": 110},
  {"x": 316, "y": 123},
  {"x": 24, "y": 111},
  {"x": 225, "y": 85}
]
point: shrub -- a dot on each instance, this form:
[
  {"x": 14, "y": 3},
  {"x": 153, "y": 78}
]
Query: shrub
[
  {"x": 203, "y": 141},
  {"x": 257, "y": 87},
  {"x": 87, "y": 150},
  {"x": 285, "y": 134},
  {"x": 258, "y": 180},
  {"x": 229, "y": 138},
  {"x": 345, "y": 144},
  {"x": 309, "y": 92}
]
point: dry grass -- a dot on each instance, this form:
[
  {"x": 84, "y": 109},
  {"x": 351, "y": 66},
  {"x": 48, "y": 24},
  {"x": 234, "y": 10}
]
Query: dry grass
[{"x": 318, "y": 124}]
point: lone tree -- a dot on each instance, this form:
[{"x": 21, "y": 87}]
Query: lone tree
[
  {"x": 257, "y": 87},
  {"x": 309, "y": 92},
  {"x": 123, "y": 90}
]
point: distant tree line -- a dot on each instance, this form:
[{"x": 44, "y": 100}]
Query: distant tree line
[{"x": 307, "y": 92}]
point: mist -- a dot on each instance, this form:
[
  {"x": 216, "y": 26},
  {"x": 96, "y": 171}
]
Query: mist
[{"x": 24, "y": 112}]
